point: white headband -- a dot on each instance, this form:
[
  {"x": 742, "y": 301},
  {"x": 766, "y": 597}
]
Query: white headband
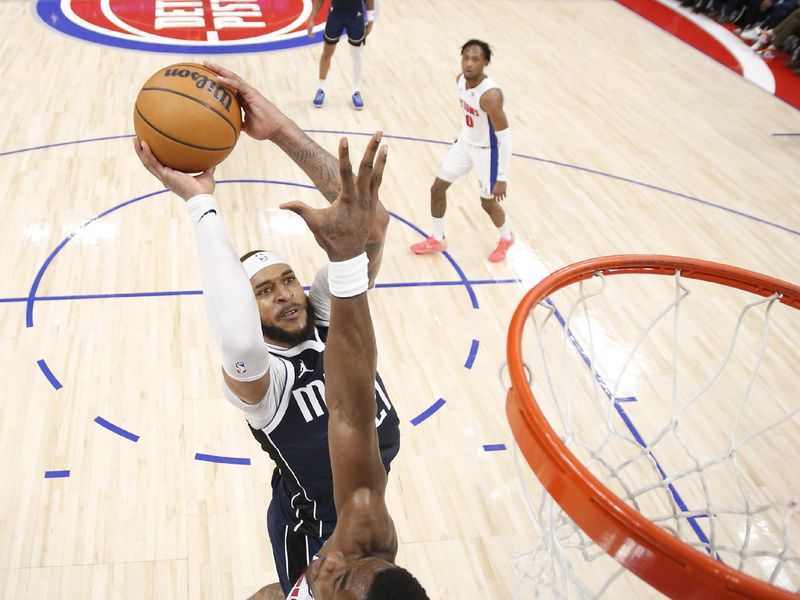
[{"x": 261, "y": 260}]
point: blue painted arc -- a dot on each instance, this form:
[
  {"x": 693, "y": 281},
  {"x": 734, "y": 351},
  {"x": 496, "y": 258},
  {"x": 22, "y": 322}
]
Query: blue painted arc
[
  {"x": 40, "y": 273},
  {"x": 428, "y": 412},
  {"x": 49, "y": 374},
  {"x": 228, "y": 460},
  {"x": 56, "y": 474},
  {"x": 116, "y": 429},
  {"x": 494, "y": 447},
  {"x": 473, "y": 298},
  {"x": 473, "y": 352}
]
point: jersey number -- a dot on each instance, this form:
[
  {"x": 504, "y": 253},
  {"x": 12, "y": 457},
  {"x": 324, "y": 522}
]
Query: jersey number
[{"x": 470, "y": 122}]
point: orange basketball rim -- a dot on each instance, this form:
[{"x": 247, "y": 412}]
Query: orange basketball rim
[{"x": 652, "y": 553}]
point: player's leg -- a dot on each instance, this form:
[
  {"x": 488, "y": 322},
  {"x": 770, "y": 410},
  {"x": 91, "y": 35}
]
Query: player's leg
[
  {"x": 456, "y": 163},
  {"x": 485, "y": 164},
  {"x": 356, "y": 35},
  {"x": 334, "y": 27}
]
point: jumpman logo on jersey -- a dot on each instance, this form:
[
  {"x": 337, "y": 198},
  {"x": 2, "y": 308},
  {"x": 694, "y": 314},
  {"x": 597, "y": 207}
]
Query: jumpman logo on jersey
[{"x": 303, "y": 369}]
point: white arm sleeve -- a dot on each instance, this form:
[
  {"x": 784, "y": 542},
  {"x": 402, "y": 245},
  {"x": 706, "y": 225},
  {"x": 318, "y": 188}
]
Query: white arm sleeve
[
  {"x": 228, "y": 296},
  {"x": 320, "y": 295},
  {"x": 504, "y": 153}
]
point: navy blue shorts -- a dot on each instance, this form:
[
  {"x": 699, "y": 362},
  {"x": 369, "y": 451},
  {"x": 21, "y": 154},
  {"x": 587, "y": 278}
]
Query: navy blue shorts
[
  {"x": 292, "y": 550},
  {"x": 354, "y": 22}
]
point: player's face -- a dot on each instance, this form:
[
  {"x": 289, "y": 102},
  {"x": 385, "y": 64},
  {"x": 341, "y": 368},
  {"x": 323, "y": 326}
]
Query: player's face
[
  {"x": 282, "y": 305},
  {"x": 473, "y": 62},
  {"x": 333, "y": 577}
]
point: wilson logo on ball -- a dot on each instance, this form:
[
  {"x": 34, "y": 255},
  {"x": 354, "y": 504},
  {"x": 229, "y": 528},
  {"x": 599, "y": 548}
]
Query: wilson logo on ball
[
  {"x": 203, "y": 26},
  {"x": 201, "y": 81}
]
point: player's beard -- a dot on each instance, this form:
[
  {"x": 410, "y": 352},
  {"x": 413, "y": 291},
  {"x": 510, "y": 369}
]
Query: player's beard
[{"x": 273, "y": 333}]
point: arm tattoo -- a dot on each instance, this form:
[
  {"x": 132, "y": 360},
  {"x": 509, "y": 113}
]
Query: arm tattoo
[{"x": 319, "y": 164}]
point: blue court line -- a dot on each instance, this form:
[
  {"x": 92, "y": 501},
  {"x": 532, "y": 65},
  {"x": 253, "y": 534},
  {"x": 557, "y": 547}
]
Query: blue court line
[
  {"x": 465, "y": 282},
  {"x": 626, "y": 399},
  {"x": 200, "y": 292},
  {"x": 657, "y": 188},
  {"x": 454, "y": 264},
  {"x": 116, "y": 429},
  {"x": 386, "y": 136},
  {"x": 230, "y": 460},
  {"x": 49, "y": 374},
  {"x": 447, "y": 143},
  {"x": 428, "y": 412},
  {"x": 47, "y": 146},
  {"x": 473, "y": 351},
  {"x": 494, "y": 447},
  {"x": 632, "y": 428},
  {"x": 56, "y": 474},
  {"x": 40, "y": 273}
]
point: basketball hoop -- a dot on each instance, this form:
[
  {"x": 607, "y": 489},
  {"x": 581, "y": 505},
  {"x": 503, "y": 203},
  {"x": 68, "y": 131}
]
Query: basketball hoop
[{"x": 646, "y": 525}]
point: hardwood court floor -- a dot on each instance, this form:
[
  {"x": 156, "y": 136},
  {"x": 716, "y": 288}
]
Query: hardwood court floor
[{"x": 626, "y": 141}]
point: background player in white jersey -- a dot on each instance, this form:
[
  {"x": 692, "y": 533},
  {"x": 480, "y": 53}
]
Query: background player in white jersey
[
  {"x": 357, "y": 561},
  {"x": 272, "y": 338},
  {"x": 355, "y": 17},
  {"x": 484, "y": 144}
]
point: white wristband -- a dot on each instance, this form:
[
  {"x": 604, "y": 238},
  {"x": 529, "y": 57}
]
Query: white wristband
[
  {"x": 370, "y": 16},
  {"x": 350, "y": 277},
  {"x": 200, "y": 205}
]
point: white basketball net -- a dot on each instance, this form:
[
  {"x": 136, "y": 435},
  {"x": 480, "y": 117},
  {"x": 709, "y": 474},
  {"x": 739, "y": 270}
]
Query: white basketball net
[{"x": 681, "y": 397}]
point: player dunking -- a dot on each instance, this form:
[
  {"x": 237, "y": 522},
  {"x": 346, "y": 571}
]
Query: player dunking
[
  {"x": 484, "y": 144},
  {"x": 356, "y": 17},
  {"x": 272, "y": 338}
]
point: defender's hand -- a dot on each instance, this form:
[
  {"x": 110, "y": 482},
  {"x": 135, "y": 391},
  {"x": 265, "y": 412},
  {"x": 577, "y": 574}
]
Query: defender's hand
[
  {"x": 342, "y": 228},
  {"x": 184, "y": 185},
  {"x": 262, "y": 119}
]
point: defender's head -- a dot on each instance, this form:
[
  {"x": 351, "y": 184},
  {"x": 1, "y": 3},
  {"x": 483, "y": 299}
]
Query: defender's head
[
  {"x": 333, "y": 577},
  {"x": 287, "y": 317}
]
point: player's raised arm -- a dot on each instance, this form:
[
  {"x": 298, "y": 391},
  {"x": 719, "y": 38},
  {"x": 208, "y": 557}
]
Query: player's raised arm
[
  {"x": 342, "y": 230},
  {"x": 230, "y": 304}
]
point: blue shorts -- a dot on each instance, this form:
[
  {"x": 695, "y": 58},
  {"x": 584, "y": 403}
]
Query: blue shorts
[
  {"x": 292, "y": 550},
  {"x": 354, "y": 22}
]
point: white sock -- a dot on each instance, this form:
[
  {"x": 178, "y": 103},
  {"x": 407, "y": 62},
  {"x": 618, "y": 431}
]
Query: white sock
[
  {"x": 356, "y": 53},
  {"x": 438, "y": 228},
  {"x": 505, "y": 232},
  {"x": 321, "y": 85}
]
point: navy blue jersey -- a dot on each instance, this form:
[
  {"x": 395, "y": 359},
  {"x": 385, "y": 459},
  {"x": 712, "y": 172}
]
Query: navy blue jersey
[
  {"x": 296, "y": 438},
  {"x": 347, "y": 6}
]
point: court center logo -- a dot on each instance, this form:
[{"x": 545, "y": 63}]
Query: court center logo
[{"x": 185, "y": 26}]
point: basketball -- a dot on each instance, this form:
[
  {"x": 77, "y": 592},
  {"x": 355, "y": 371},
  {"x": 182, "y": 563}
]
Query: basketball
[{"x": 190, "y": 122}]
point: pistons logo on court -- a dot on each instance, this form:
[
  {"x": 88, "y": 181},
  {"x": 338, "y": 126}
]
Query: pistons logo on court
[{"x": 198, "y": 26}]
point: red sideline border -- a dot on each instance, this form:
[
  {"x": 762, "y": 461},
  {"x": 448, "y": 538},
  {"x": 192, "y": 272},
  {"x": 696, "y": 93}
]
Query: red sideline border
[{"x": 787, "y": 84}]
